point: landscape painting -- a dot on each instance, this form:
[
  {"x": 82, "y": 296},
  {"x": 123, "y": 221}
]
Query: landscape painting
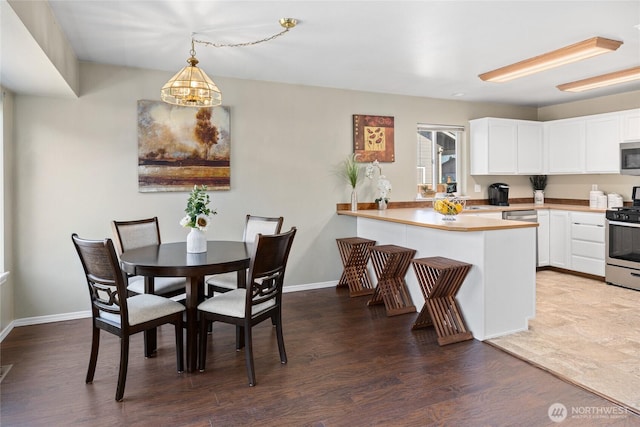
[{"x": 179, "y": 147}]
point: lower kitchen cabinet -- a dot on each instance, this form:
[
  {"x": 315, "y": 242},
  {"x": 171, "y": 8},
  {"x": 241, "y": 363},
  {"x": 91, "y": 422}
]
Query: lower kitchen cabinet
[
  {"x": 587, "y": 242},
  {"x": 559, "y": 239},
  {"x": 543, "y": 237}
]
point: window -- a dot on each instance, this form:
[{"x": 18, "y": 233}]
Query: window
[{"x": 438, "y": 167}]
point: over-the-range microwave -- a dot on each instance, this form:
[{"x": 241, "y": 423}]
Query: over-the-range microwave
[{"x": 630, "y": 158}]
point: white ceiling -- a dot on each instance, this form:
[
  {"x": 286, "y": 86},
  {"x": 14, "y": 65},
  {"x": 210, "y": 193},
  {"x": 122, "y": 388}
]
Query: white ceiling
[{"x": 421, "y": 48}]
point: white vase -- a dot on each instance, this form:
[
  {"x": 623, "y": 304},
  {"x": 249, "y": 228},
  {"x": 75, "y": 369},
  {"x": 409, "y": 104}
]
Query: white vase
[
  {"x": 382, "y": 205},
  {"x": 196, "y": 241},
  {"x": 354, "y": 200},
  {"x": 538, "y": 197}
]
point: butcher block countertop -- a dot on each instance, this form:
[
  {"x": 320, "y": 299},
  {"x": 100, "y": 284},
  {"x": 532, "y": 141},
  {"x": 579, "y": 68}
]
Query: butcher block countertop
[
  {"x": 426, "y": 217},
  {"x": 423, "y": 215}
]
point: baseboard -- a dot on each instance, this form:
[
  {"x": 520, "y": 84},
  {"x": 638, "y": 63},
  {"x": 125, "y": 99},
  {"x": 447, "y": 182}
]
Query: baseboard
[
  {"x": 310, "y": 286},
  {"x": 84, "y": 314}
]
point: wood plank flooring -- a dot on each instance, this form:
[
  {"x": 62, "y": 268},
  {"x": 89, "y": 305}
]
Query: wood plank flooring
[{"x": 349, "y": 365}]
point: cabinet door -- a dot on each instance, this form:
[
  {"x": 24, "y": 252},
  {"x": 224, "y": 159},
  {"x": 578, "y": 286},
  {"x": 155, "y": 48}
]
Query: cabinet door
[
  {"x": 543, "y": 237},
  {"x": 566, "y": 146},
  {"x": 502, "y": 147},
  {"x": 602, "y": 144},
  {"x": 559, "y": 239},
  {"x": 530, "y": 148},
  {"x": 630, "y": 125}
]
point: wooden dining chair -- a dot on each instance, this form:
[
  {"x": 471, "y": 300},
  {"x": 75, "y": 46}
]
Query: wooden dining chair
[
  {"x": 138, "y": 233},
  {"x": 112, "y": 310},
  {"x": 260, "y": 300},
  {"x": 226, "y": 282}
]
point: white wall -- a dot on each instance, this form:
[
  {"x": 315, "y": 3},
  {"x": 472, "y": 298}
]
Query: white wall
[{"x": 76, "y": 165}]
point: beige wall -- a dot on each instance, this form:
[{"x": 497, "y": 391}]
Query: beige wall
[
  {"x": 7, "y": 288},
  {"x": 76, "y": 171}
]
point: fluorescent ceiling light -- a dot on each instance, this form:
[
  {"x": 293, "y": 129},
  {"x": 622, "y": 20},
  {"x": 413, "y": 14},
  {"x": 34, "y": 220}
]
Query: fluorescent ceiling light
[
  {"x": 621, "y": 76},
  {"x": 568, "y": 54}
]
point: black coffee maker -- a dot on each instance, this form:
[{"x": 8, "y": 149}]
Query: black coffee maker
[{"x": 499, "y": 194}]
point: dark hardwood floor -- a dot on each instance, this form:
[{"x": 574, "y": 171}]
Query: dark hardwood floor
[{"x": 349, "y": 365}]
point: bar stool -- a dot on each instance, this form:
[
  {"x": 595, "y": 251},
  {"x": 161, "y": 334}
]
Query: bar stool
[
  {"x": 355, "y": 252},
  {"x": 390, "y": 263},
  {"x": 440, "y": 279}
]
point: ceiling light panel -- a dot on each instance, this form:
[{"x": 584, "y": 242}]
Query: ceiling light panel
[{"x": 566, "y": 55}]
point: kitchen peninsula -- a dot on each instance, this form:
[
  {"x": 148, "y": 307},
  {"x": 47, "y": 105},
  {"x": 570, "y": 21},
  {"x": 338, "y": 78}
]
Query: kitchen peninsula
[{"x": 498, "y": 296}]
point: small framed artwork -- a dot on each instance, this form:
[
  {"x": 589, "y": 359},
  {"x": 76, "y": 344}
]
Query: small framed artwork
[
  {"x": 373, "y": 138},
  {"x": 179, "y": 147}
]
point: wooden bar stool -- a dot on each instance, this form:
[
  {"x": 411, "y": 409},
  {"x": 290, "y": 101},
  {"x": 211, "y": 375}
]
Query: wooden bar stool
[
  {"x": 440, "y": 279},
  {"x": 355, "y": 252},
  {"x": 390, "y": 263}
]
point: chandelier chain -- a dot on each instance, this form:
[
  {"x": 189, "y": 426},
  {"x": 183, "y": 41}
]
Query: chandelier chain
[{"x": 213, "y": 44}]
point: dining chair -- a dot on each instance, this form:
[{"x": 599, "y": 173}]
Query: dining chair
[
  {"x": 138, "y": 233},
  {"x": 253, "y": 225},
  {"x": 260, "y": 300},
  {"x": 113, "y": 311}
]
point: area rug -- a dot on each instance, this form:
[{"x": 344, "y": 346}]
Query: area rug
[{"x": 585, "y": 332}]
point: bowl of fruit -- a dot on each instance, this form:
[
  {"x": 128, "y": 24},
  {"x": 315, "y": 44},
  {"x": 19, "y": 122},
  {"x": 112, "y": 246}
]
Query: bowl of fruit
[{"x": 449, "y": 206}]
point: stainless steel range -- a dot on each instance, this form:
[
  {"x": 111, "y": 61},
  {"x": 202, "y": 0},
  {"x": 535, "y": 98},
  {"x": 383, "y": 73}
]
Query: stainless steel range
[{"x": 622, "y": 243}]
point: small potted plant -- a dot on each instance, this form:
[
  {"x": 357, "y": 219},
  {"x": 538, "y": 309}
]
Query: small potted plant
[
  {"x": 539, "y": 183},
  {"x": 198, "y": 218},
  {"x": 351, "y": 173}
]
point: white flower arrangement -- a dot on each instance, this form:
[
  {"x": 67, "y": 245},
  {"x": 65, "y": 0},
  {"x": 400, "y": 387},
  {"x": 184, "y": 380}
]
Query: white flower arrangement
[
  {"x": 198, "y": 213},
  {"x": 384, "y": 185}
]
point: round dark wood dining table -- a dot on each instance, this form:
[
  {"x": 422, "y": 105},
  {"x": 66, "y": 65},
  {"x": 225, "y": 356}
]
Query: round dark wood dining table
[{"x": 172, "y": 260}]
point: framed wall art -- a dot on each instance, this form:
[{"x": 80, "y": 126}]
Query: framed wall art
[
  {"x": 373, "y": 138},
  {"x": 179, "y": 147}
]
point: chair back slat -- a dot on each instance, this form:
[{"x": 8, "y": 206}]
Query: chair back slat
[
  {"x": 135, "y": 234},
  {"x": 104, "y": 276},
  {"x": 255, "y": 225},
  {"x": 267, "y": 267}
]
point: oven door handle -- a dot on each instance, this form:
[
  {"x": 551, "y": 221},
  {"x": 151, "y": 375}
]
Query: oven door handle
[{"x": 624, "y": 224}]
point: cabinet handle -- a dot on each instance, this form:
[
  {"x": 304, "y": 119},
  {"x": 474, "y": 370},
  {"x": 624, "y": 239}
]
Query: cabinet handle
[{"x": 635, "y": 274}]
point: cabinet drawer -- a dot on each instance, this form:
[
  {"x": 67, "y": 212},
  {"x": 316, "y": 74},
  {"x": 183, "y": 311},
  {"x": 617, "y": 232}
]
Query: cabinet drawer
[
  {"x": 590, "y": 233},
  {"x": 587, "y": 218},
  {"x": 587, "y": 249},
  {"x": 587, "y": 265}
]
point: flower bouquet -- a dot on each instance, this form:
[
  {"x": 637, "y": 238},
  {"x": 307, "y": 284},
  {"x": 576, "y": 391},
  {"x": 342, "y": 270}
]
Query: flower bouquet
[{"x": 198, "y": 218}]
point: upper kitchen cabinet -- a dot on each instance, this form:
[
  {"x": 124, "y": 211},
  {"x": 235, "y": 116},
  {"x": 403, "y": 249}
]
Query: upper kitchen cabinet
[
  {"x": 565, "y": 146},
  {"x": 630, "y": 125},
  {"x": 602, "y": 139},
  {"x": 586, "y": 144},
  {"x": 506, "y": 147}
]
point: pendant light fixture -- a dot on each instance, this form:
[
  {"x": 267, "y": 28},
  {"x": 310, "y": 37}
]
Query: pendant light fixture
[
  {"x": 191, "y": 87},
  {"x": 565, "y": 55}
]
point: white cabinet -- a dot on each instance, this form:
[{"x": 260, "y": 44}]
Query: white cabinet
[
  {"x": 602, "y": 143},
  {"x": 587, "y": 242},
  {"x": 506, "y": 147},
  {"x": 565, "y": 142},
  {"x": 530, "y": 148},
  {"x": 587, "y": 144},
  {"x": 559, "y": 239},
  {"x": 630, "y": 125},
  {"x": 543, "y": 237}
]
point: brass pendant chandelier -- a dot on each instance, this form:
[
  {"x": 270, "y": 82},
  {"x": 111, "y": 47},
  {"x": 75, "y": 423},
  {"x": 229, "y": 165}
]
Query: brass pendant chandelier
[{"x": 191, "y": 87}]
